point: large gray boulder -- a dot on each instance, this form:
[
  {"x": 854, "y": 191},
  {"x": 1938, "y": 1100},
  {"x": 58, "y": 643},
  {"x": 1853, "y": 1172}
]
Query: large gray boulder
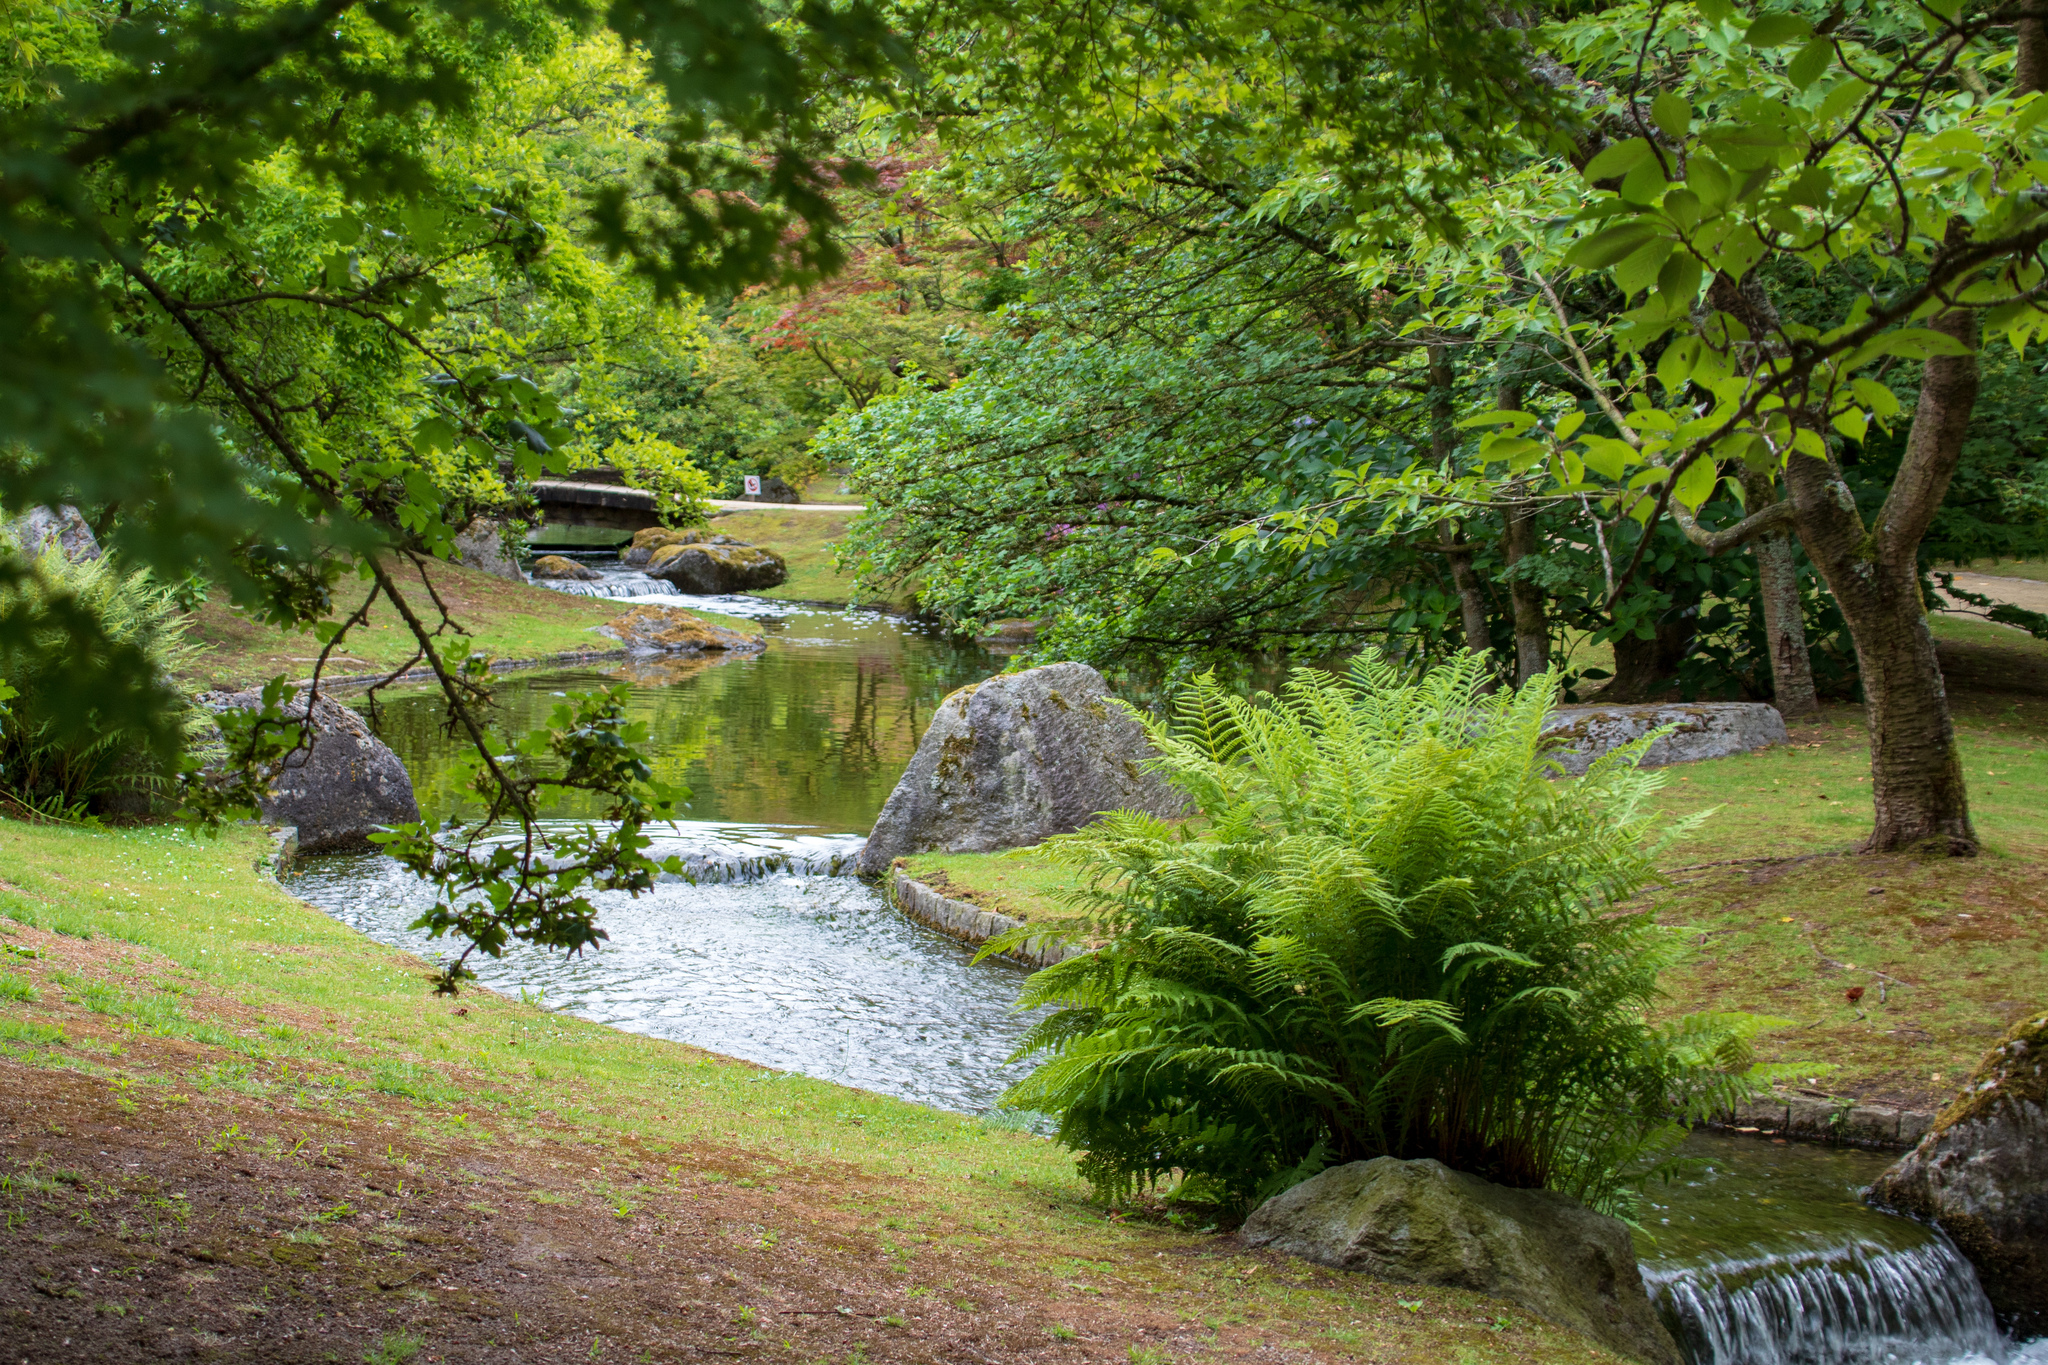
[
  {"x": 1713, "y": 729},
  {"x": 712, "y": 570},
  {"x": 1982, "y": 1174},
  {"x": 1013, "y": 760},
  {"x": 41, "y": 527},
  {"x": 1419, "y": 1222},
  {"x": 481, "y": 546},
  {"x": 341, "y": 789}
]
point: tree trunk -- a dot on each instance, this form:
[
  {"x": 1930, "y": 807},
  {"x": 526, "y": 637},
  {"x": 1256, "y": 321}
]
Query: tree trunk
[
  {"x": 1916, "y": 770},
  {"x": 1532, "y": 619},
  {"x": 1777, "y": 579},
  {"x": 1471, "y": 597},
  {"x": 1443, "y": 443},
  {"x": 1643, "y": 668}
]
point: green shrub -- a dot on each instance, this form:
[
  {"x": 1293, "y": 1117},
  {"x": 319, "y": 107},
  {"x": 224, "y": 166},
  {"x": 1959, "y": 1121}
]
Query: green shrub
[
  {"x": 1386, "y": 929},
  {"x": 54, "y": 758}
]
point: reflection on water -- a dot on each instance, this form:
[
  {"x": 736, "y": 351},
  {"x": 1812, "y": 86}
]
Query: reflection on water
[
  {"x": 801, "y": 972},
  {"x": 814, "y": 731}
]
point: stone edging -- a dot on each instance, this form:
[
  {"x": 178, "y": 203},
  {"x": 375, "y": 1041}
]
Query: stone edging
[
  {"x": 1809, "y": 1118},
  {"x": 968, "y": 923}
]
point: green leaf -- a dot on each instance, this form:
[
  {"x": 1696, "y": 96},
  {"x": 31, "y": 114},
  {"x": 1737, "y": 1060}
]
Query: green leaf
[
  {"x": 1645, "y": 184},
  {"x": 2035, "y": 109},
  {"x": 1509, "y": 417},
  {"x": 1679, "y": 280},
  {"x": 1852, "y": 423},
  {"x": 1775, "y": 30},
  {"x": 1811, "y": 62},
  {"x": 1696, "y": 484},
  {"x": 1841, "y": 99},
  {"x": 1675, "y": 366},
  {"x": 1639, "y": 270},
  {"x": 1708, "y": 179},
  {"x": 1914, "y": 343},
  {"x": 1610, "y": 245},
  {"x": 1607, "y": 456},
  {"x": 1673, "y": 114},
  {"x": 1618, "y": 159}
]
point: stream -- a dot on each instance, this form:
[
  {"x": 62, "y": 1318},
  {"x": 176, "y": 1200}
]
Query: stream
[{"x": 1761, "y": 1255}]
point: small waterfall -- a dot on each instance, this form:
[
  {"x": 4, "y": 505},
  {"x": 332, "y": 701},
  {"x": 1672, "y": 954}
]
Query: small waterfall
[
  {"x": 612, "y": 585},
  {"x": 1863, "y": 1303},
  {"x": 717, "y": 869}
]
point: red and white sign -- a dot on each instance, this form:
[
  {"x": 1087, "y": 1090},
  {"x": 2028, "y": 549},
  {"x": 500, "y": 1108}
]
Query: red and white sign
[{"x": 753, "y": 483}]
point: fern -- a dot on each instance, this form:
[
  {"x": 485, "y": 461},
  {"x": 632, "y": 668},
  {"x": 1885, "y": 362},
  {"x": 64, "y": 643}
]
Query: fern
[
  {"x": 1388, "y": 929},
  {"x": 52, "y": 758}
]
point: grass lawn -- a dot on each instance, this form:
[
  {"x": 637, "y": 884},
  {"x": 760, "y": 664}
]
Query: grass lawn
[
  {"x": 2034, "y": 570},
  {"x": 1782, "y": 917},
  {"x": 804, "y": 540},
  {"x": 507, "y": 620},
  {"x": 238, "y": 1130}
]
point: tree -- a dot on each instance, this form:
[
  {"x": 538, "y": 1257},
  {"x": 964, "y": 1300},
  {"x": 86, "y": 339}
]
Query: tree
[
  {"x": 279, "y": 290},
  {"x": 1616, "y": 194}
]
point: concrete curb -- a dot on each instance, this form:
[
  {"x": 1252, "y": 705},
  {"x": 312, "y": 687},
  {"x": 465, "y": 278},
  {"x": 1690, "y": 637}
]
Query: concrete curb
[
  {"x": 969, "y": 923},
  {"x": 1837, "y": 1122}
]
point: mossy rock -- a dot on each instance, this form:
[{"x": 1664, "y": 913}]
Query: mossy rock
[{"x": 1982, "y": 1174}]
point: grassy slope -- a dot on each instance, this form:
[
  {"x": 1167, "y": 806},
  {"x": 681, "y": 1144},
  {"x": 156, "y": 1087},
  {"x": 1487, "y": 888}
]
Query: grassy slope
[
  {"x": 1781, "y": 917},
  {"x": 804, "y": 540},
  {"x": 236, "y": 1126},
  {"x": 507, "y": 621}
]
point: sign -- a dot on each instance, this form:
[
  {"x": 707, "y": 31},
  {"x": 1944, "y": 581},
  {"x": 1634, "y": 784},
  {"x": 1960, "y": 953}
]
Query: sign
[{"x": 753, "y": 482}]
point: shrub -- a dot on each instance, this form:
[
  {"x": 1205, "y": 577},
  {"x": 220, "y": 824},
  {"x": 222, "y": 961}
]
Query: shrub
[
  {"x": 1385, "y": 929},
  {"x": 54, "y": 757}
]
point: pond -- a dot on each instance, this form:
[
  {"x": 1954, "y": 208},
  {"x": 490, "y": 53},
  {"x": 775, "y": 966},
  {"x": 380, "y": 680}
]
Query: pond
[{"x": 1760, "y": 1255}]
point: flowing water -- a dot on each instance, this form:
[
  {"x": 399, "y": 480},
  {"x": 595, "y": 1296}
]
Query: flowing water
[
  {"x": 1767, "y": 1255},
  {"x": 1762, "y": 1255}
]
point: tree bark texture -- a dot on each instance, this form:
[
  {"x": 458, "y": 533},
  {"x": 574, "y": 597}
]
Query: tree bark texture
[
  {"x": 1777, "y": 579},
  {"x": 1916, "y": 770},
  {"x": 1643, "y": 668},
  {"x": 1532, "y": 619}
]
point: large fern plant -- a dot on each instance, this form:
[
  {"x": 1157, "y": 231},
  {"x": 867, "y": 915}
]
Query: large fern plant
[{"x": 1388, "y": 928}]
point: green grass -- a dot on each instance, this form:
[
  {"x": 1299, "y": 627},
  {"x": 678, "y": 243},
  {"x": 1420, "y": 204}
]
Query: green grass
[
  {"x": 2034, "y": 570},
  {"x": 507, "y": 620},
  {"x": 291, "y": 1008},
  {"x": 1020, "y": 883},
  {"x": 804, "y": 540}
]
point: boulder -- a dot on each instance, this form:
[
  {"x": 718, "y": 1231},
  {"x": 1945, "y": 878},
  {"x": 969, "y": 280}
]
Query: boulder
[
  {"x": 1981, "y": 1173},
  {"x": 41, "y": 527},
  {"x": 711, "y": 570},
  {"x": 655, "y": 629},
  {"x": 342, "y": 788},
  {"x": 557, "y": 569},
  {"x": 481, "y": 546},
  {"x": 1013, "y": 760},
  {"x": 1704, "y": 730},
  {"x": 1419, "y": 1222},
  {"x": 652, "y": 538}
]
